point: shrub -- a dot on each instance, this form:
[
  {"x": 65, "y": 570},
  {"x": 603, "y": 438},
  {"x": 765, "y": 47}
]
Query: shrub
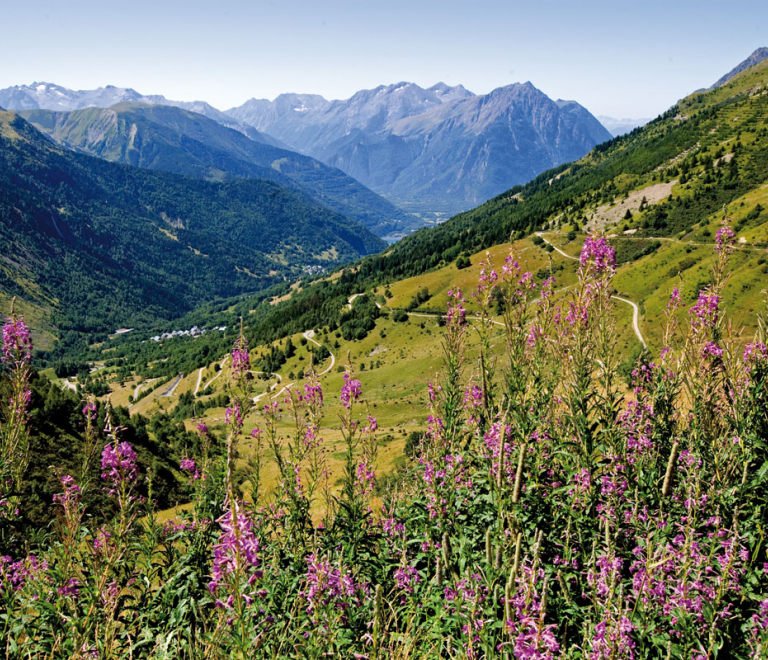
[{"x": 400, "y": 316}]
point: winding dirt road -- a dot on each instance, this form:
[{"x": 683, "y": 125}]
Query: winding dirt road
[
  {"x": 172, "y": 387},
  {"x": 309, "y": 336},
  {"x": 199, "y": 379},
  {"x": 221, "y": 368},
  {"x": 138, "y": 388},
  {"x": 635, "y": 308}
]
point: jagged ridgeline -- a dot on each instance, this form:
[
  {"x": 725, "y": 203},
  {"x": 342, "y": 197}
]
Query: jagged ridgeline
[
  {"x": 91, "y": 246},
  {"x": 713, "y": 146}
]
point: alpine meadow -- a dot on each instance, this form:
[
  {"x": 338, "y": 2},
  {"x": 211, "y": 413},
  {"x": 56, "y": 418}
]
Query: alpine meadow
[{"x": 416, "y": 373}]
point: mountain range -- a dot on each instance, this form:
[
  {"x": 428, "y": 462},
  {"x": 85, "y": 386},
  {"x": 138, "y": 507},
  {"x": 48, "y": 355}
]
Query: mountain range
[
  {"x": 436, "y": 151},
  {"x": 440, "y": 149},
  {"x": 177, "y": 140},
  {"x": 49, "y": 96},
  {"x": 618, "y": 127}
]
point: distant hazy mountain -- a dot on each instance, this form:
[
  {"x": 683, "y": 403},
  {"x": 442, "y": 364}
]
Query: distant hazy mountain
[
  {"x": 48, "y": 96},
  {"x": 176, "y": 140},
  {"x": 618, "y": 127},
  {"x": 755, "y": 58},
  {"x": 440, "y": 149}
]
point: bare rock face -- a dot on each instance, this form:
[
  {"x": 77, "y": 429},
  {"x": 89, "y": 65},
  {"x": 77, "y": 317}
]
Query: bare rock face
[{"x": 438, "y": 149}]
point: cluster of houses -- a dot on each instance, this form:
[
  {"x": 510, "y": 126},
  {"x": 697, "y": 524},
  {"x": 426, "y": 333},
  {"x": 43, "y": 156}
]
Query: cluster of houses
[{"x": 194, "y": 331}]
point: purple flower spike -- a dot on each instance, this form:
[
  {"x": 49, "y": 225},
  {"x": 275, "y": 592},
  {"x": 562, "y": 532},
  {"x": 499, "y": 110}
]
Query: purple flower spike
[
  {"x": 598, "y": 255},
  {"x": 118, "y": 464},
  {"x": 17, "y": 343},
  {"x": 351, "y": 391}
]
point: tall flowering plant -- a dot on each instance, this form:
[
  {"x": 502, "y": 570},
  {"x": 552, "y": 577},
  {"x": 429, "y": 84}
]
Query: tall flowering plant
[
  {"x": 537, "y": 520},
  {"x": 14, "y": 436}
]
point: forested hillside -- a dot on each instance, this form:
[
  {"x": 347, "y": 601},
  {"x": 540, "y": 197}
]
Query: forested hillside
[
  {"x": 175, "y": 140},
  {"x": 102, "y": 245}
]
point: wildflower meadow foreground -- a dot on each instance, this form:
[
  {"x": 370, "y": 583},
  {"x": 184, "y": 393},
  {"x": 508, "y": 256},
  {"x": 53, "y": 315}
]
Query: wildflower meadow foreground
[{"x": 549, "y": 512}]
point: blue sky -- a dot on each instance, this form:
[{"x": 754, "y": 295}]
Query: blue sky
[{"x": 624, "y": 59}]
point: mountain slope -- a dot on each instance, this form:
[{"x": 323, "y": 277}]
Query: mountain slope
[
  {"x": 755, "y": 58},
  {"x": 105, "y": 245},
  {"x": 176, "y": 140},
  {"x": 442, "y": 148},
  {"x": 709, "y": 126}
]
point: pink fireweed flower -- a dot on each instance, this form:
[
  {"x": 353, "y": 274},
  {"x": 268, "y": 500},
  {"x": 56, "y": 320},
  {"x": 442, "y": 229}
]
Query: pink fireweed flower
[
  {"x": 724, "y": 240},
  {"x": 241, "y": 360},
  {"x": 598, "y": 256},
  {"x": 406, "y": 578},
  {"x": 89, "y": 411},
  {"x": 102, "y": 542},
  {"x": 612, "y": 638},
  {"x": 311, "y": 440},
  {"x": 456, "y": 313},
  {"x": 637, "y": 423},
  {"x": 755, "y": 352},
  {"x": 493, "y": 447},
  {"x": 237, "y": 547},
  {"x": 188, "y": 465},
  {"x": 759, "y": 629},
  {"x": 202, "y": 429},
  {"x": 71, "y": 588},
  {"x": 510, "y": 268},
  {"x": 19, "y": 405},
  {"x": 351, "y": 391},
  {"x": 488, "y": 275},
  {"x": 330, "y": 585},
  {"x": 547, "y": 287},
  {"x": 674, "y": 300},
  {"x": 118, "y": 463},
  {"x": 435, "y": 428},
  {"x": 706, "y": 311},
  {"x": 71, "y": 494},
  {"x": 473, "y": 403},
  {"x": 711, "y": 348},
  {"x": 313, "y": 394},
  {"x": 532, "y": 638},
  {"x": 15, "y": 575},
  {"x": 17, "y": 343},
  {"x": 365, "y": 479},
  {"x": 433, "y": 391},
  {"x": 234, "y": 417}
]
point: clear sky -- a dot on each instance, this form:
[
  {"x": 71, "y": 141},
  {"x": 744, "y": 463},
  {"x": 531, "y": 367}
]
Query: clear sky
[{"x": 621, "y": 58}]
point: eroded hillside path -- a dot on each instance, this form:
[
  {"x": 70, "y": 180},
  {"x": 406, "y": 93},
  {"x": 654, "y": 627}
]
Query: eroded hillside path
[{"x": 635, "y": 308}]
